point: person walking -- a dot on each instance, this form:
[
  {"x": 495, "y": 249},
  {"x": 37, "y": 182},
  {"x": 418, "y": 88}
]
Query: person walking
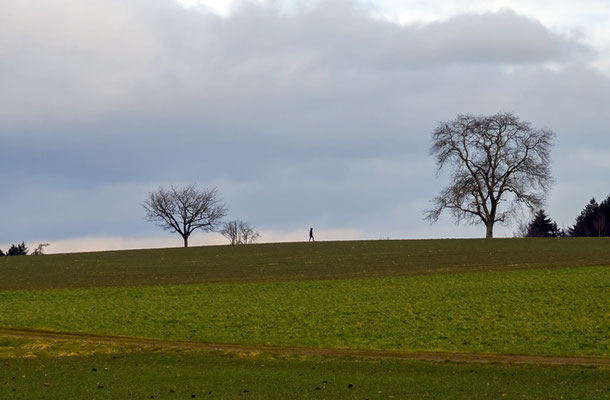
[{"x": 311, "y": 238}]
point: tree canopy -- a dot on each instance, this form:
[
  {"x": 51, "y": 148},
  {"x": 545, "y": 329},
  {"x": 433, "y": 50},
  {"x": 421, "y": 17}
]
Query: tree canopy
[
  {"x": 594, "y": 220},
  {"x": 499, "y": 163},
  {"x": 17, "y": 250},
  {"x": 239, "y": 232},
  {"x": 184, "y": 210},
  {"x": 542, "y": 226}
]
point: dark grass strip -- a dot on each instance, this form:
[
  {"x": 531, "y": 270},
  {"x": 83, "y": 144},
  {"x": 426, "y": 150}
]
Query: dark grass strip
[{"x": 297, "y": 262}]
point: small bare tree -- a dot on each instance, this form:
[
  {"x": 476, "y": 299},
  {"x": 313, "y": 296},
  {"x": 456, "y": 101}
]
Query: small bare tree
[
  {"x": 496, "y": 159},
  {"x": 39, "y": 250},
  {"x": 522, "y": 229},
  {"x": 184, "y": 210},
  {"x": 230, "y": 230},
  {"x": 239, "y": 232},
  {"x": 247, "y": 233}
]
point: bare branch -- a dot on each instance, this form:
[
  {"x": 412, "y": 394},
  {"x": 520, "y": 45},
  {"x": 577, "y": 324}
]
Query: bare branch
[
  {"x": 184, "y": 210},
  {"x": 495, "y": 159},
  {"x": 239, "y": 232}
]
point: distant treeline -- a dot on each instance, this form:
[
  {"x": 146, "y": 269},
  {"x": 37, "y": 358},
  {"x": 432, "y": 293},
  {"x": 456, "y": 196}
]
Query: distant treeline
[
  {"x": 16, "y": 250},
  {"x": 594, "y": 220},
  {"x": 22, "y": 250}
]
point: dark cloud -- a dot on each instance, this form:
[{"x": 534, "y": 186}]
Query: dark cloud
[
  {"x": 85, "y": 61},
  {"x": 502, "y": 37},
  {"x": 321, "y": 115}
]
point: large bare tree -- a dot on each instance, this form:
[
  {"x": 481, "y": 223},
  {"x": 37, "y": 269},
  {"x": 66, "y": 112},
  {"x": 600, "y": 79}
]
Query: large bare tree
[
  {"x": 499, "y": 163},
  {"x": 184, "y": 210}
]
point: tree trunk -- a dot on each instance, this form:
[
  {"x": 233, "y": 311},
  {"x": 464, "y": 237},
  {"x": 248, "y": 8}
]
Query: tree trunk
[
  {"x": 490, "y": 230},
  {"x": 186, "y": 241}
]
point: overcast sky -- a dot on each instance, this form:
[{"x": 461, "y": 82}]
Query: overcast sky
[{"x": 302, "y": 113}]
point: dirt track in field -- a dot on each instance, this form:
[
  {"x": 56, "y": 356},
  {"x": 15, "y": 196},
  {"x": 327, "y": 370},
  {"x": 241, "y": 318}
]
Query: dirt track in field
[{"x": 436, "y": 356}]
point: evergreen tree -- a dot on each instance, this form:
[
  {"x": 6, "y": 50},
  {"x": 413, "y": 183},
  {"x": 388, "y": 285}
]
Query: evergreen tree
[
  {"x": 1, "y": 253},
  {"x": 594, "y": 220},
  {"x": 604, "y": 223},
  {"x": 18, "y": 250},
  {"x": 542, "y": 226}
]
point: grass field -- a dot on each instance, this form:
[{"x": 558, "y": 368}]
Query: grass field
[
  {"x": 526, "y": 296},
  {"x": 123, "y": 373},
  {"x": 559, "y": 312},
  {"x": 297, "y": 261}
]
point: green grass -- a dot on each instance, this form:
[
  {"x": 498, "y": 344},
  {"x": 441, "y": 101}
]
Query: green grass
[
  {"x": 546, "y": 311},
  {"x": 297, "y": 261},
  {"x": 165, "y": 374},
  {"x": 532, "y": 296}
]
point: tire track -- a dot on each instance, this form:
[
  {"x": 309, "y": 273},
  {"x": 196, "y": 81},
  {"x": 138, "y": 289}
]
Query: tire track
[{"x": 436, "y": 356}]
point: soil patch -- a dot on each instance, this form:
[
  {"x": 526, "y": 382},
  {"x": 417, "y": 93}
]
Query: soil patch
[{"x": 436, "y": 356}]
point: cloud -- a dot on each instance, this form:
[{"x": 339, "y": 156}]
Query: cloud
[
  {"x": 499, "y": 37},
  {"x": 73, "y": 59},
  {"x": 107, "y": 243},
  {"x": 80, "y": 60},
  {"x": 320, "y": 116}
]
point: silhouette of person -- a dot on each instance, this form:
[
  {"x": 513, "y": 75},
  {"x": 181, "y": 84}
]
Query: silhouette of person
[{"x": 311, "y": 239}]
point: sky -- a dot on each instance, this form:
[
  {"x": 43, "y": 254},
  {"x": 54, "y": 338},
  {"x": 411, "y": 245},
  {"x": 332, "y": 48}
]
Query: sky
[{"x": 301, "y": 113}]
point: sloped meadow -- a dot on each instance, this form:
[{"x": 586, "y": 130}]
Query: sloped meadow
[
  {"x": 556, "y": 311},
  {"x": 521, "y": 296}
]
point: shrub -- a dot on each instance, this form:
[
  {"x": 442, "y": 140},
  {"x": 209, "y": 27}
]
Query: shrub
[{"x": 17, "y": 250}]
